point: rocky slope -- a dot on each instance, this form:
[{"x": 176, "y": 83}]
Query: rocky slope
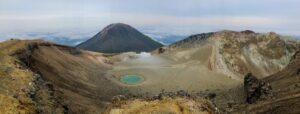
[
  {"x": 285, "y": 92},
  {"x": 236, "y": 53},
  {"x": 116, "y": 38},
  {"x": 41, "y": 77},
  {"x": 21, "y": 90}
]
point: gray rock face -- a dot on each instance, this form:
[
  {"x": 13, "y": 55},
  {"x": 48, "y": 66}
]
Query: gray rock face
[
  {"x": 116, "y": 38},
  {"x": 255, "y": 89}
]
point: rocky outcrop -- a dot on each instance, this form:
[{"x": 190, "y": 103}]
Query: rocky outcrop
[
  {"x": 237, "y": 53},
  {"x": 285, "y": 92},
  {"x": 161, "y": 50},
  {"x": 255, "y": 89},
  {"x": 177, "y": 105}
]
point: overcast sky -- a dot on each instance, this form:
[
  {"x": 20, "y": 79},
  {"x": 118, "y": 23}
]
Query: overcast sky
[{"x": 177, "y": 17}]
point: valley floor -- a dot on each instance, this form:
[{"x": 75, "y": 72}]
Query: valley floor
[{"x": 161, "y": 73}]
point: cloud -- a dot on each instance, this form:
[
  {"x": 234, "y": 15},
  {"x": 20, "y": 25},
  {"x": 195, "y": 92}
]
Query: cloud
[
  {"x": 158, "y": 17},
  {"x": 190, "y": 25},
  {"x": 158, "y": 24}
]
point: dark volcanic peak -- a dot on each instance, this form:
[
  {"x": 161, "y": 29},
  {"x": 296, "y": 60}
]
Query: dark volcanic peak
[
  {"x": 248, "y": 32},
  {"x": 116, "y": 28},
  {"x": 119, "y": 37},
  {"x": 195, "y": 37}
]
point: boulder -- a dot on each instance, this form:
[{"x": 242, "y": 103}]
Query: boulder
[
  {"x": 161, "y": 50},
  {"x": 256, "y": 89}
]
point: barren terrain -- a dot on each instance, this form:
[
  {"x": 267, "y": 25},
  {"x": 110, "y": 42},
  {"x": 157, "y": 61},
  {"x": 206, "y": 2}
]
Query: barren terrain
[{"x": 201, "y": 71}]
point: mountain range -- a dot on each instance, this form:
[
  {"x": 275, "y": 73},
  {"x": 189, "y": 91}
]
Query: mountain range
[{"x": 64, "y": 40}]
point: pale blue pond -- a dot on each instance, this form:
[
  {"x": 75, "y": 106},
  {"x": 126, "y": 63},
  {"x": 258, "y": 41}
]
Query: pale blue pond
[{"x": 131, "y": 79}]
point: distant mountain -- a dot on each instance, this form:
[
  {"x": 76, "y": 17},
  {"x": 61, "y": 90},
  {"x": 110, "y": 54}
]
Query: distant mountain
[
  {"x": 170, "y": 39},
  {"x": 72, "y": 39},
  {"x": 120, "y": 37},
  {"x": 64, "y": 40}
]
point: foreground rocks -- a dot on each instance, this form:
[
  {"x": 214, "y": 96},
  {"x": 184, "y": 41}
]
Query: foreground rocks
[{"x": 165, "y": 105}]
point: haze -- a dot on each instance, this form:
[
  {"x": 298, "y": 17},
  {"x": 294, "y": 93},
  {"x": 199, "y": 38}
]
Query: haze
[{"x": 156, "y": 18}]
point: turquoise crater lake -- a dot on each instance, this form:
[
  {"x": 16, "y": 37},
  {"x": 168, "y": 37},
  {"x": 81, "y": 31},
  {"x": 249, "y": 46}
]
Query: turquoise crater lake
[{"x": 131, "y": 79}]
